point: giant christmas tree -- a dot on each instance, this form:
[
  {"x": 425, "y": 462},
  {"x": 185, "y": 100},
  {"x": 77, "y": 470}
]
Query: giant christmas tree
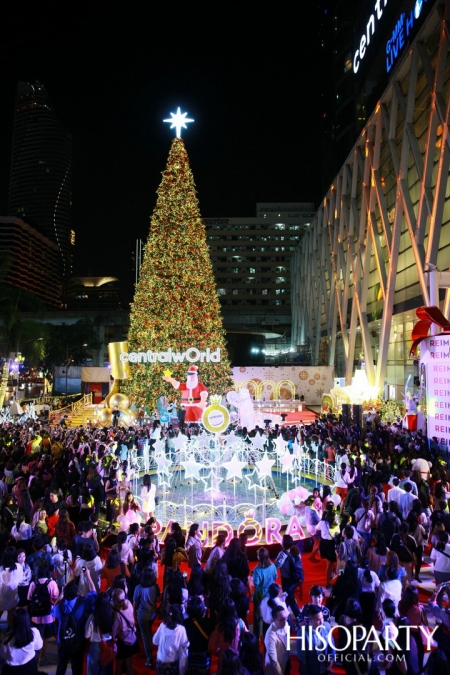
[{"x": 176, "y": 302}]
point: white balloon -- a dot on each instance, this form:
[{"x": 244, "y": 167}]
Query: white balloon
[
  {"x": 233, "y": 398},
  {"x": 336, "y": 499}
]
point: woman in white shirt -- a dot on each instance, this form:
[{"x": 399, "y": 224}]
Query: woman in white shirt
[
  {"x": 275, "y": 596},
  {"x": 148, "y": 493},
  {"x": 26, "y": 578},
  {"x": 155, "y": 435},
  {"x": 19, "y": 647},
  {"x": 125, "y": 550},
  {"x": 91, "y": 561},
  {"x": 216, "y": 553},
  {"x": 194, "y": 546},
  {"x": 11, "y": 574},
  {"x": 341, "y": 485},
  {"x": 440, "y": 556},
  {"x": 173, "y": 644},
  {"x": 369, "y": 584},
  {"x": 391, "y": 589},
  {"x": 21, "y": 530}
]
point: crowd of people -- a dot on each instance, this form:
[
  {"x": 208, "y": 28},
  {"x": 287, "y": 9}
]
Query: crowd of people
[{"x": 69, "y": 573}]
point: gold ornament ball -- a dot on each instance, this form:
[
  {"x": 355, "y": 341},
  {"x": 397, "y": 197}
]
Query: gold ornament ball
[
  {"x": 119, "y": 400},
  {"x": 104, "y": 417},
  {"x": 128, "y": 418},
  {"x": 131, "y": 416}
]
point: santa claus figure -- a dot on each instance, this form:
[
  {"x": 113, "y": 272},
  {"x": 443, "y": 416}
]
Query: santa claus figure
[{"x": 193, "y": 394}]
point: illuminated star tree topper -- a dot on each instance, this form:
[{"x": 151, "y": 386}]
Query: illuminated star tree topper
[{"x": 178, "y": 121}]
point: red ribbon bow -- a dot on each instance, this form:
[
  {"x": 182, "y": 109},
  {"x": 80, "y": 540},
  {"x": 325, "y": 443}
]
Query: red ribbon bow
[{"x": 427, "y": 316}]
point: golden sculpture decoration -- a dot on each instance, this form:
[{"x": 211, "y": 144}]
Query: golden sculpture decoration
[
  {"x": 120, "y": 400},
  {"x": 127, "y": 419},
  {"x": 104, "y": 417},
  {"x": 119, "y": 369},
  {"x": 286, "y": 384}
]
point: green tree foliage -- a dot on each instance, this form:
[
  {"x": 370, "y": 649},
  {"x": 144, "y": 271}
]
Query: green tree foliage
[
  {"x": 17, "y": 334},
  {"x": 390, "y": 411},
  {"x": 176, "y": 303},
  {"x": 74, "y": 342}
]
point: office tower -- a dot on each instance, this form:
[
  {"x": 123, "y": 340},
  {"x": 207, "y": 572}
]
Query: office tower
[
  {"x": 251, "y": 262},
  {"x": 33, "y": 260},
  {"x": 40, "y": 182}
]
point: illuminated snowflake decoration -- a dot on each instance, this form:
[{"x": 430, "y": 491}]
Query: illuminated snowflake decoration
[{"x": 6, "y": 417}]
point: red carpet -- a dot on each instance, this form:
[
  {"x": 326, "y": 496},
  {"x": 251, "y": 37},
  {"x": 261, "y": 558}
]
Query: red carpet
[
  {"x": 314, "y": 574},
  {"x": 300, "y": 417}
]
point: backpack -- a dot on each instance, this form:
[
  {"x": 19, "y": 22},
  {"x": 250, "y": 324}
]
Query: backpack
[
  {"x": 40, "y": 603},
  {"x": 351, "y": 551},
  {"x": 69, "y": 633},
  {"x": 297, "y": 572},
  {"x": 281, "y": 559},
  {"x": 388, "y": 528},
  {"x": 368, "y": 524},
  {"x": 314, "y": 518}
]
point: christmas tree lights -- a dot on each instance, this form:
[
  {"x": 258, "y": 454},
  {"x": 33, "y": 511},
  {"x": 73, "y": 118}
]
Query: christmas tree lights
[{"x": 176, "y": 304}]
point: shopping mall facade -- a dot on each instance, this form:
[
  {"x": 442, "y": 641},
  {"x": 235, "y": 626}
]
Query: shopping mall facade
[{"x": 379, "y": 242}]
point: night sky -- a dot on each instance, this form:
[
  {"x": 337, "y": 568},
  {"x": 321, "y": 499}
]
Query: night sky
[{"x": 249, "y": 74}]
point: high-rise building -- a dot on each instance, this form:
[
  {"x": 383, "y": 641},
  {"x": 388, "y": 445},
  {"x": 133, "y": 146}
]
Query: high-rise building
[
  {"x": 378, "y": 247},
  {"x": 40, "y": 182},
  {"x": 251, "y": 262},
  {"x": 89, "y": 293},
  {"x": 33, "y": 260}
]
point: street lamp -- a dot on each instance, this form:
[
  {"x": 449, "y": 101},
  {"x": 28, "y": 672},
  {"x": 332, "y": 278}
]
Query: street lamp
[{"x": 67, "y": 360}]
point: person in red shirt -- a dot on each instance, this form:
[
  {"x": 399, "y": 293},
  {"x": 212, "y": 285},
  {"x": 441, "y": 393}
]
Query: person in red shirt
[
  {"x": 51, "y": 523},
  {"x": 64, "y": 528}
]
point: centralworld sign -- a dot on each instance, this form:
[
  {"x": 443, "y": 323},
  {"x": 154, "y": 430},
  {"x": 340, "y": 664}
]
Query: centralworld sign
[
  {"x": 191, "y": 355},
  {"x": 395, "y": 29}
]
